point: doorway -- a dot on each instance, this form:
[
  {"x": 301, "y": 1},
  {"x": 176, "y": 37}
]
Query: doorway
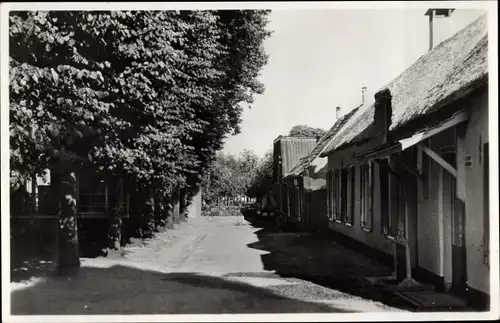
[{"x": 459, "y": 261}]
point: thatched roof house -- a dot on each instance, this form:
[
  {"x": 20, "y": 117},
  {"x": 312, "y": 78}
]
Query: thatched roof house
[
  {"x": 450, "y": 71},
  {"x": 305, "y": 162}
]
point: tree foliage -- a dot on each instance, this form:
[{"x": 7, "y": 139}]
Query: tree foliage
[
  {"x": 149, "y": 94},
  {"x": 303, "y": 130},
  {"x": 230, "y": 176},
  {"x": 261, "y": 182}
]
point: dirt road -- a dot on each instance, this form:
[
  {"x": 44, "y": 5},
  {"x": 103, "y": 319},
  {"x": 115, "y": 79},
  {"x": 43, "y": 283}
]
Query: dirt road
[{"x": 209, "y": 265}]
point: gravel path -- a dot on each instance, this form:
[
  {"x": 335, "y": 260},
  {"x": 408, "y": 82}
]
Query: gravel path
[{"x": 208, "y": 265}]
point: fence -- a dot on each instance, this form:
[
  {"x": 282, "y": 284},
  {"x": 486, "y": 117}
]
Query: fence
[{"x": 227, "y": 206}]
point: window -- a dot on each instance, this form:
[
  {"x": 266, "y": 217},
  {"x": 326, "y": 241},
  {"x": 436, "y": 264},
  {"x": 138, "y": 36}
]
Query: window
[
  {"x": 343, "y": 195},
  {"x": 93, "y": 195},
  {"x": 336, "y": 202},
  {"x": 385, "y": 197},
  {"x": 351, "y": 196},
  {"x": 33, "y": 198},
  {"x": 333, "y": 189},
  {"x": 96, "y": 196},
  {"x": 396, "y": 207},
  {"x": 366, "y": 205},
  {"x": 328, "y": 195}
]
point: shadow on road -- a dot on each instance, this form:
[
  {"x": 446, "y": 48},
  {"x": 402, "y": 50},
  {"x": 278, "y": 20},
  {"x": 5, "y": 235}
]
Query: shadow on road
[
  {"x": 120, "y": 289},
  {"x": 320, "y": 259}
]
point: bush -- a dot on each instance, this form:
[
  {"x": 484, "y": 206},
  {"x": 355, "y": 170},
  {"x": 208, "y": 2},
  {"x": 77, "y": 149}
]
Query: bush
[{"x": 222, "y": 210}]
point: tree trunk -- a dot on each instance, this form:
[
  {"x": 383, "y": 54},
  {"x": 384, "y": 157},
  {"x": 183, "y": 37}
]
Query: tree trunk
[
  {"x": 66, "y": 189},
  {"x": 182, "y": 205},
  {"x": 117, "y": 220},
  {"x": 168, "y": 212},
  {"x": 149, "y": 212},
  {"x": 176, "y": 206},
  {"x": 159, "y": 212}
]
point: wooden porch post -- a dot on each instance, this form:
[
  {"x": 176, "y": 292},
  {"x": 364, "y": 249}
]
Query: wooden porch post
[{"x": 438, "y": 159}]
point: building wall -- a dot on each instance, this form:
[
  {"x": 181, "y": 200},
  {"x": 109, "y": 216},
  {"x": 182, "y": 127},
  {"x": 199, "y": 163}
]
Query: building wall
[
  {"x": 435, "y": 212},
  {"x": 194, "y": 209},
  {"x": 435, "y": 223},
  {"x": 476, "y": 134},
  {"x": 316, "y": 209},
  {"x": 430, "y": 223},
  {"x": 375, "y": 238},
  {"x": 408, "y": 183}
]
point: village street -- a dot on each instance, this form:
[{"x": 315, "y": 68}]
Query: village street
[{"x": 210, "y": 265}]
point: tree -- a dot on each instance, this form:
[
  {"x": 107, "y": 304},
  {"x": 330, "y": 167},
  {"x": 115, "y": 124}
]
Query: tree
[
  {"x": 147, "y": 95},
  {"x": 230, "y": 176},
  {"x": 262, "y": 179},
  {"x": 303, "y": 130}
]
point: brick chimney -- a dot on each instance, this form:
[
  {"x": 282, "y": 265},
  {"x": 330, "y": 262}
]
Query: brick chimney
[
  {"x": 383, "y": 113},
  {"x": 337, "y": 112},
  {"x": 363, "y": 95},
  {"x": 439, "y": 25}
]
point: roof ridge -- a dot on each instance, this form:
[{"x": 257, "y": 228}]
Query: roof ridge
[
  {"x": 323, "y": 142},
  {"x": 433, "y": 50}
]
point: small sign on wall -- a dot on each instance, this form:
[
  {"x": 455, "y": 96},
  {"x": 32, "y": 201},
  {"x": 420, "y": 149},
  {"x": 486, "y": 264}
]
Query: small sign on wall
[{"x": 468, "y": 161}]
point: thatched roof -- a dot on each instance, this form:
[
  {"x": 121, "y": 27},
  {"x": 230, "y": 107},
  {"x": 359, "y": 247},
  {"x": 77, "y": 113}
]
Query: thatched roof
[
  {"x": 357, "y": 126},
  {"x": 421, "y": 87},
  {"x": 307, "y": 160},
  {"x": 451, "y": 70}
]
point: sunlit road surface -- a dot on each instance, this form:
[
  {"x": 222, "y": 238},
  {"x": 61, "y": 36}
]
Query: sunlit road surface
[{"x": 205, "y": 266}]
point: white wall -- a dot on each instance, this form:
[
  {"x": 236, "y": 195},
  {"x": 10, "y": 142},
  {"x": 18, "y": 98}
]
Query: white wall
[
  {"x": 476, "y": 133},
  {"x": 194, "y": 209},
  {"x": 375, "y": 238},
  {"x": 429, "y": 229}
]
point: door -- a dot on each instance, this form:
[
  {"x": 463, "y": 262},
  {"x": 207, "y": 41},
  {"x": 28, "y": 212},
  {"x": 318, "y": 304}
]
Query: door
[{"x": 459, "y": 264}]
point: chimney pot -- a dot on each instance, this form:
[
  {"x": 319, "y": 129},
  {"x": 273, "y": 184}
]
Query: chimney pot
[
  {"x": 363, "y": 95},
  {"x": 434, "y": 31},
  {"x": 337, "y": 112}
]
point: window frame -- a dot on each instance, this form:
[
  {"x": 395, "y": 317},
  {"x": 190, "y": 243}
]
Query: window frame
[
  {"x": 343, "y": 190},
  {"x": 333, "y": 191},
  {"x": 336, "y": 199},
  {"x": 351, "y": 196},
  {"x": 366, "y": 195},
  {"x": 93, "y": 209}
]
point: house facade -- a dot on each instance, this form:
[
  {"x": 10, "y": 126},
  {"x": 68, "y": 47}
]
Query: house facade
[
  {"x": 34, "y": 207},
  {"x": 287, "y": 152},
  {"x": 307, "y": 182},
  {"x": 409, "y": 177}
]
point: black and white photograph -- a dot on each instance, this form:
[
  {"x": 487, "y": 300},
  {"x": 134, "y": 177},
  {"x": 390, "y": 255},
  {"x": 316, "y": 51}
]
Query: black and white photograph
[{"x": 249, "y": 161}]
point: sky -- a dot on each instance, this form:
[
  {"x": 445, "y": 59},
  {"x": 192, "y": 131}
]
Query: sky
[{"x": 320, "y": 59}]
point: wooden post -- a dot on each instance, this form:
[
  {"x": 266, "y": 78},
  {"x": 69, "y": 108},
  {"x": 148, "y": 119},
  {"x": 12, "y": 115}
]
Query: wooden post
[{"x": 407, "y": 245}]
